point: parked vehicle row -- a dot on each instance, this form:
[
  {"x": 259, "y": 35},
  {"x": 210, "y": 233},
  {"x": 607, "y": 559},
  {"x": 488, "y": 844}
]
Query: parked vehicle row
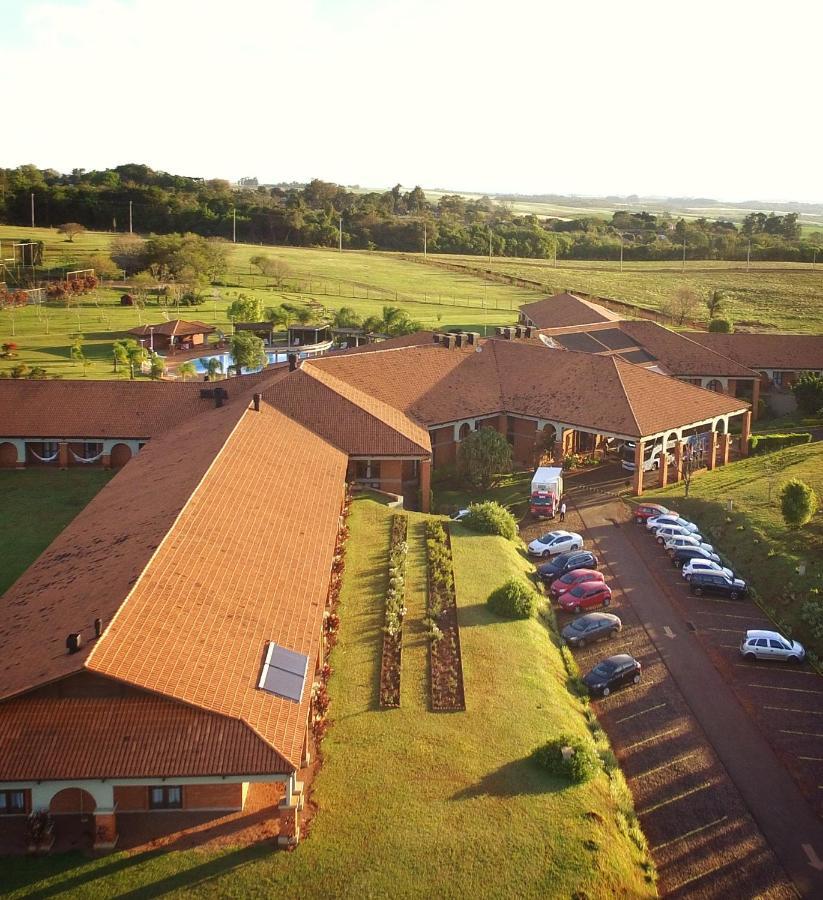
[{"x": 702, "y": 569}]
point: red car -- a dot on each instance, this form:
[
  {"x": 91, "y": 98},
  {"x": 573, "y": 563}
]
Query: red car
[
  {"x": 649, "y": 511},
  {"x": 587, "y": 595},
  {"x": 572, "y": 579}
]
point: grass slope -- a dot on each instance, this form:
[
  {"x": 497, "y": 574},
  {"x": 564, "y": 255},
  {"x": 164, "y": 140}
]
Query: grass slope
[
  {"x": 35, "y": 506},
  {"x": 787, "y": 296},
  {"x": 413, "y": 803},
  {"x": 753, "y": 536}
]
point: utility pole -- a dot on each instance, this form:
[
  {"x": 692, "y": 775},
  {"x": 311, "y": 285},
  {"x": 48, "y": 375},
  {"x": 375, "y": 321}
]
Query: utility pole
[
  {"x": 814, "y": 257},
  {"x": 340, "y": 235},
  {"x": 131, "y": 219},
  {"x": 490, "y": 245},
  {"x": 32, "y": 209},
  {"x": 621, "y": 252},
  {"x": 748, "y": 255},
  {"x": 234, "y": 225},
  {"x": 684, "y": 254},
  {"x": 425, "y": 238}
]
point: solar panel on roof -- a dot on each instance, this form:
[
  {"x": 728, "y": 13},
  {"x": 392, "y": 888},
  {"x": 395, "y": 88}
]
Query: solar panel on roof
[
  {"x": 579, "y": 341},
  {"x": 613, "y": 338},
  {"x": 284, "y": 672},
  {"x": 637, "y": 356}
]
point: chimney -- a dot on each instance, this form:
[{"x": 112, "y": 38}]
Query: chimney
[
  {"x": 98, "y": 627},
  {"x": 458, "y": 340},
  {"x": 292, "y": 361},
  {"x": 472, "y": 338},
  {"x": 256, "y": 400},
  {"x": 499, "y": 330},
  {"x": 436, "y": 337},
  {"x": 220, "y": 396},
  {"x": 74, "y": 641},
  {"x": 529, "y": 331},
  {"x": 449, "y": 341}
]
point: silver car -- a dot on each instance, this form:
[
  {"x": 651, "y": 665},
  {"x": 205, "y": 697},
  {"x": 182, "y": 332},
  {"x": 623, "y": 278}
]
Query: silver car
[{"x": 771, "y": 645}]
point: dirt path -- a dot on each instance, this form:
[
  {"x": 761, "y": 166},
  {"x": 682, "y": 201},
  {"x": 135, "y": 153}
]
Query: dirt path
[{"x": 721, "y": 813}]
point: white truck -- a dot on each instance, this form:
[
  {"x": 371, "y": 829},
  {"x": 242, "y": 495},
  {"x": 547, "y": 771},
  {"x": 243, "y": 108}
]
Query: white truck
[{"x": 546, "y": 492}]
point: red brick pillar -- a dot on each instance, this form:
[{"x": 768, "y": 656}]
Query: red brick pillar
[
  {"x": 725, "y": 444},
  {"x": 503, "y": 424},
  {"x": 63, "y": 455},
  {"x": 425, "y": 485},
  {"x": 105, "y": 830},
  {"x": 755, "y": 397},
  {"x": 678, "y": 461},
  {"x": 639, "y": 450},
  {"x": 559, "y": 447},
  {"x": 713, "y": 450},
  {"x": 106, "y": 460},
  {"x": 664, "y": 469},
  {"x": 746, "y": 433}
]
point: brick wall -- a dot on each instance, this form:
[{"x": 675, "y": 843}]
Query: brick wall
[
  {"x": 213, "y": 796},
  {"x": 444, "y": 449},
  {"x": 131, "y": 798}
]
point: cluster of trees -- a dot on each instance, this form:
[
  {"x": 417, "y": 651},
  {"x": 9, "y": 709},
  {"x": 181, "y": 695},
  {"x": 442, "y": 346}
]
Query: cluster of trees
[{"x": 309, "y": 215}]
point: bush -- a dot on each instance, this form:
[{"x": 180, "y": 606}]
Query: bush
[
  {"x": 720, "y": 326},
  {"x": 811, "y": 613},
  {"x": 768, "y": 443},
  {"x": 489, "y": 517},
  {"x": 482, "y": 456},
  {"x": 798, "y": 502},
  {"x": 581, "y": 765},
  {"x": 808, "y": 392},
  {"x": 516, "y": 599}
]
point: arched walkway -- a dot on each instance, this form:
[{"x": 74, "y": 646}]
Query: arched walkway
[{"x": 120, "y": 455}]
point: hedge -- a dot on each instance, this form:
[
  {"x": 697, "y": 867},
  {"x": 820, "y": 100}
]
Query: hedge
[{"x": 768, "y": 443}]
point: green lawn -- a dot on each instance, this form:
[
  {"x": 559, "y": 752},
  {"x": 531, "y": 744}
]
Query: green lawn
[
  {"x": 512, "y": 491},
  {"x": 35, "y": 505},
  {"x": 784, "y": 296},
  {"x": 753, "y": 536},
  {"x": 410, "y": 802}
]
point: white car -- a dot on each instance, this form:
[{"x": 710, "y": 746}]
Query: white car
[
  {"x": 459, "y": 515},
  {"x": 686, "y": 540},
  {"x": 704, "y": 565},
  {"x": 660, "y": 521},
  {"x": 772, "y": 646},
  {"x": 555, "y": 542},
  {"x": 671, "y": 531}
]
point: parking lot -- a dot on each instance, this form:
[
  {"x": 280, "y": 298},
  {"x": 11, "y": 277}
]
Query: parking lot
[{"x": 706, "y": 834}]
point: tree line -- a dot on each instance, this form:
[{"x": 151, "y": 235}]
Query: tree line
[{"x": 309, "y": 215}]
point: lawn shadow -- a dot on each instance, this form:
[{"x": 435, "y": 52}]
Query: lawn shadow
[{"x": 513, "y": 779}]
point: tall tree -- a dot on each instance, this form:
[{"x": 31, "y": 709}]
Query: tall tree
[
  {"x": 482, "y": 456},
  {"x": 247, "y": 351}
]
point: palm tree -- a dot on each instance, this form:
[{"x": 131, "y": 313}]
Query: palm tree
[
  {"x": 303, "y": 315},
  {"x": 714, "y": 302},
  {"x": 346, "y": 317},
  {"x": 213, "y": 366},
  {"x": 390, "y": 315},
  {"x": 187, "y": 370}
]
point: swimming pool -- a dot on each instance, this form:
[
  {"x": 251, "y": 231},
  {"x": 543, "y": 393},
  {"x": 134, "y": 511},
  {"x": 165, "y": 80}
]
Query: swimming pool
[{"x": 202, "y": 362}]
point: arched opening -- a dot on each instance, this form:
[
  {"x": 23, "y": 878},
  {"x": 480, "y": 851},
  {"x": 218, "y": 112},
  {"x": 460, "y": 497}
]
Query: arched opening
[
  {"x": 465, "y": 431},
  {"x": 721, "y": 426},
  {"x": 120, "y": 455},
  {"x": 74, "y": 822},
  {"x": 8, "y": 455},
  {"x": 72, "y": 801},
  {"x": 715, "y": 385}
]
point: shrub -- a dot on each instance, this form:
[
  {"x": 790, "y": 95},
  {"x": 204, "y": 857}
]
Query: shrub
[
  {"x": 482, "y": 456},
  {"x": 768, "y": 443},
  {"x": 811, "y": 612},
  {"x": 489, "y": 517},
  {"x": 798, "y": 502},
  {"x": 516, "y": 599},
  {"x": 808, "y": 392},
  {"x": 720, "y": 326},
  {"x": 581, "y": 764}
]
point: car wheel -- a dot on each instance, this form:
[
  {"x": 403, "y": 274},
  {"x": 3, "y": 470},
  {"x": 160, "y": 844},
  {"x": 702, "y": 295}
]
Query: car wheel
[
  {"x": 581, "y": 643},
  {"x": 792, "y": 659},
  {"x": 545, "y": 554},
  {"x": 697, "y": 591},
  {"x": 749, "y": 657},
  {"x": 577, "y": 547},
  {"x": 636, "y": 679},
  {"x": 613, "y": 633},
  {"x": 678, "y": 563},
  {"x": 607, "y": 601},
  {"x": 577, "y": 610},
  {"x": 656, "y": 465},
  {"x": 606, "y": 691},
  {"x": 733, "y": 595},
  {"x": 661, "y": 540},
  {"x": 638, "y": 520}
]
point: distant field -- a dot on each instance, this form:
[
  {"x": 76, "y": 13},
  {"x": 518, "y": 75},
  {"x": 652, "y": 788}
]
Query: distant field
[
  {"x": 784, "y": 296},
  {"x": 435, "y": 297}
]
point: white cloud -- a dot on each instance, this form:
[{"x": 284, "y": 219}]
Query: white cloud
[{"x": 710, "y": 98}]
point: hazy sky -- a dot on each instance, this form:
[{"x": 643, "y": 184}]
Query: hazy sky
[{"x": 715, "y": 99}]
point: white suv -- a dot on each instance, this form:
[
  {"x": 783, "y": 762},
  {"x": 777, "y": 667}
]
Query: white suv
[
  {"x": 686, "y": 540},
  {"x": 771, "y": 645},
  {"x": 704, "y": 565}
]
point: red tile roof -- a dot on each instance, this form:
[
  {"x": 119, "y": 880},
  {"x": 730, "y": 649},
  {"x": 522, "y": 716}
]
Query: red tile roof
[
  {"x": 174, "y": 328},
  {"x": 246, "y": 562},
  {"x": 66, "y": 738},
  {"x": 566, "y": 309},
  {"x": 792, "y": 352},
  {"x": 353, "y": 421}
]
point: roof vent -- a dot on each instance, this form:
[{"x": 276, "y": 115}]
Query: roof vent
[
  {"x": 436, "y": 337},
  {"x": 284, "y": 672},
  {"x": 256, "y": 399},
  {"x": 449, "y": 340},
  {"x": 529, "y": 331},
  {"x": 472, "y": 338},
  {"x": 220, "y": 396},
  {"x": 98, "y": 627},
  {"x": 458, "y": 339},
  {"x": 292, "y": 361},
  {"x": 74, "y": 641}
]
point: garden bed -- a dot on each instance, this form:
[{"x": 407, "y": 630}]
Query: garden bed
[
  {"x": 445, "y": 661},
  {"x": 395, "y": 612}
]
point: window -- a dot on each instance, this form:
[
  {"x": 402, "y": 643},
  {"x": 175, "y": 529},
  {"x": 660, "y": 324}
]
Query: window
[
  {"x": 761, "y": 642},
  {"x": 777, "y": 377},
  {"x": 12, "y": 802},
  {"x": 165, "y": 798},
  {"x": 776, "y": 645}
]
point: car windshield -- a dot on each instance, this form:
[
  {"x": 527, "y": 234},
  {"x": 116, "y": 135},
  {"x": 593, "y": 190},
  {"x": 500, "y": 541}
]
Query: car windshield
[
  {"x": 579, "y": 625},
  {"x": 579, "y": 590},
  {"x": 549, "y": 537},
  {"x": 603, "y": 670}
]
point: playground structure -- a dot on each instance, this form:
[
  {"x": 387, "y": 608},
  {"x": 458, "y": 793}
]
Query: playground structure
[{"x": 19, "y": 260}]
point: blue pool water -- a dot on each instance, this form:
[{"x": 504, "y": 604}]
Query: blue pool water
[{"x": 202, "y": 362}]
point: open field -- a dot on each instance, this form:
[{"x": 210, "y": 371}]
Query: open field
[
  {"x": 754, "y": 538},
  {"x": 784, "y": 296},
  {"x": 414, "y": 803},
  {"x": 35, "y": 505}
]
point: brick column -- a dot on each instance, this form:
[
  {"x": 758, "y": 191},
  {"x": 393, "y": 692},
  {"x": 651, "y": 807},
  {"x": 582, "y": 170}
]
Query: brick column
[
  {"x": 106, "y": 460},
  {"x": 559, "y": 447},
  {"x": 639, "y": 450},
  {"x": 391, "y": 476},
  {"x": 425, "y": 485},
  {"x": 712, "y": 461},
  {"x": 745, "y": 433},
  {"x": 63, "y": 455},
  {"x": 105, "y": 830},
  {"x": 725, "y": 445},
  {"x": 755, "y": 397},
  {"x": 678, "y": 461}
]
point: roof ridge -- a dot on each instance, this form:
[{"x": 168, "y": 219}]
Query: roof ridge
[{"x": 617, "y": 368}]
